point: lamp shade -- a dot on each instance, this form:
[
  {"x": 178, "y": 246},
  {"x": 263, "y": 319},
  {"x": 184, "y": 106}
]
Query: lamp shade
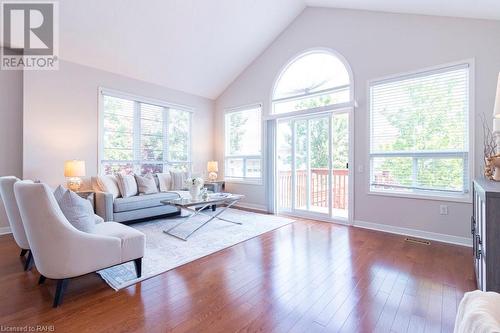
[
  {"x": 212, "y": 166},
  {"x": 74, "y": 168},
  {"x": 496, "y": 109}
]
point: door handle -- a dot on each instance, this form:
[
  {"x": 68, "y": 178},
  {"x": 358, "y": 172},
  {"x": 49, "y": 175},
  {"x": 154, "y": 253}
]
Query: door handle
[{"x": 478, "y": 250}]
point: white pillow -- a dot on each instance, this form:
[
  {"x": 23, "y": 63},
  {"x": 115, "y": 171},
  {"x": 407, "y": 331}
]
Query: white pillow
[
  {"x": 146, "y": 184},
  {"x": 109, "y": 184},
  {"x": 59, "y": 192},
  {"x": 178, "y": 179},
  {"x": 127, "y": 185},
  {"x": 165, "y": 181},
  {"x": 78, "y": 211}
]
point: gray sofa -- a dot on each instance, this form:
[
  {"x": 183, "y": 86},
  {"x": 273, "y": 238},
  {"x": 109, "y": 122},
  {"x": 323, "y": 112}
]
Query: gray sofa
[
  {"x": 111, "y": 206},
  {"x": 133, "y": 208}
]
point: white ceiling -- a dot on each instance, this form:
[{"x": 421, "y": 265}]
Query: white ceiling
[
  {"x": 201, "y": 46},
  {"x": 196, "y": 46},
  {"x": 482, "y": 9}
]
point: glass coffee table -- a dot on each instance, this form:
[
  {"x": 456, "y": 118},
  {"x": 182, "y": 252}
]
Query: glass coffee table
[{"x": 196, "y": 207}]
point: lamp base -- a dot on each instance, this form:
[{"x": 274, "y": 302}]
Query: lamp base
[
  {"x": 74, "y": 183},
  {"x": 212, "y": 176}
]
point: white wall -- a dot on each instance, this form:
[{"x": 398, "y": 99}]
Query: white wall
[
  {"x": 376, "y": 45},
  {"x": 11, "y": 128},
  {"x": 61, "y": 118}
]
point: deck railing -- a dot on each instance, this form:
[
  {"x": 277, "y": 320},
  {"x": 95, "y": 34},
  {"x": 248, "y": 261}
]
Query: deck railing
[{"x": 318, "y": 188}]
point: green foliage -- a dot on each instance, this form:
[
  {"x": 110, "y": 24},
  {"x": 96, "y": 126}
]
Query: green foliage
[
  {"x": 237, "y": 123},
  {"x": 319, "y": 137},
  {"x": 119, "y": 137},
  {"x": 430, "y": 122}
]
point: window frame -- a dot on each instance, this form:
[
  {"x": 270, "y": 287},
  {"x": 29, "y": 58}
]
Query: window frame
[
  {"x": 244, "y": 179},
  {"x": 136, "y": 140},
  {"x": 337, "y": 106},
  {"x": 469, "y": 171}
]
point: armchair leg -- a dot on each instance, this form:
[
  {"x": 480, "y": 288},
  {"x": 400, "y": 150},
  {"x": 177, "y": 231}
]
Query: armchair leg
[
  {"x": 29, "y": 261},
  {"x": 23, "y": 252},
  {"x": 41, "y": 280},
  {"x": 61, "y": 285},
  {"x": 138, "y": 266}
]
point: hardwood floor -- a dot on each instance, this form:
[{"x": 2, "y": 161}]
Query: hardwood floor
[{"x": 305, "y": 277}]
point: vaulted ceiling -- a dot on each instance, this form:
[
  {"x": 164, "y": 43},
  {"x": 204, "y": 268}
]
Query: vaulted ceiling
[{"x": 201, "y": 46}]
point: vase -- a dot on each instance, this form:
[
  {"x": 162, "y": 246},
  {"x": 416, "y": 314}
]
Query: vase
[
  {"x": 194, "y": 191},
  {"x": 495, "y": 162}
]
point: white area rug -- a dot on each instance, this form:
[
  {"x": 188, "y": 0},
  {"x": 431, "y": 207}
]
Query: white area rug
[{"x": 164, "y": 252}]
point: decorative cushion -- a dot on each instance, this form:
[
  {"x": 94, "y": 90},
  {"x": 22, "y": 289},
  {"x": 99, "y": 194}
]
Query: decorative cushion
[
  {"x": 127, "y": 185},
  {"x": 109, "y": 184},
  {"x": 165, "y": 181},
  {"x": 142, "y": 201},
  {"x": 78, "y": 211},
  {"x": 146, "y": 184},
  {"x": 178, "y": 179},
  {"x": 59, "y": 192}
]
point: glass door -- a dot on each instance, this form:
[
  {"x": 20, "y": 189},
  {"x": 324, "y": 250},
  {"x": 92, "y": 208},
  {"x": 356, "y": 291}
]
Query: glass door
[{"x": 312, "y": 155}]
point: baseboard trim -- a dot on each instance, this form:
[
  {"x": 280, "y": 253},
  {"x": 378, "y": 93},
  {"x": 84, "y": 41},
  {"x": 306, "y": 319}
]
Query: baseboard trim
[
  {"x": 5, "y": 230},
  {"x": 463, "y": 241},
  {"x": 247, "y": 205}
]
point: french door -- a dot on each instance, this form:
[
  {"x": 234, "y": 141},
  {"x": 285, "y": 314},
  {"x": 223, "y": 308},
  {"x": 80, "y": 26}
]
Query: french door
[{"x": 312, "y": 156}]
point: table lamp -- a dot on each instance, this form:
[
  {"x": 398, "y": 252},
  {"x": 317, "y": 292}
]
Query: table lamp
[
  {"x": 212, "y": 168},
  {"x": 73, "y": 170}
]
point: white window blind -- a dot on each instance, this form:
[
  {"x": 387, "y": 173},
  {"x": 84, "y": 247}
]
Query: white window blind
[
  {"x": 137, "y": 136},
  {"x": 243, "y": 159},
  {"x": 419, "y": 135}
]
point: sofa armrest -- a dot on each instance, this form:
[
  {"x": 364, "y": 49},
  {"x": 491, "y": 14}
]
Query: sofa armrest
[{"x": 104, "y": 205}]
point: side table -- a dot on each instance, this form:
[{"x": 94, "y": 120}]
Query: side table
[
  {"x": 216, "y": 187},
  {"x": 89, "y": 195}
]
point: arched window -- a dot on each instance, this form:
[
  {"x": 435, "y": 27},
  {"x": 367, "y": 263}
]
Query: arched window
[{"x": 313, "y": 79}]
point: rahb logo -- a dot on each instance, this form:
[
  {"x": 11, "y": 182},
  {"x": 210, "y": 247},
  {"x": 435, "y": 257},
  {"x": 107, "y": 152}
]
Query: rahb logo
[{"x": 29, "y": 35}]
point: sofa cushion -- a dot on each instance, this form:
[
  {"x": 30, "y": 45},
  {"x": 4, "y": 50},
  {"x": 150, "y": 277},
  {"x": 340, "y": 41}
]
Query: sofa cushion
[
  {"x": 78, "y": 211},
  {"x": 164, "y": 181},
  {"x": 133, "y": 241},
  {"x": 107, "y": 183},
  {"x": 146, "y": 184},
  {"x": 59, "y": 192},
  {"x": 178, "y": 180},
  {"x": 127, "y": 185},
  {"x": 142, "y": 201}
]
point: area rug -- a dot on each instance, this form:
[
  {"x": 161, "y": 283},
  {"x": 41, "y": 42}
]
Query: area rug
[{"x": 164, "y": 252}]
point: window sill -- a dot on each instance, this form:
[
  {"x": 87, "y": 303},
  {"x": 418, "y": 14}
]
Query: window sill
[
  {"x": 243, "y": 181},
  {"x": 467, "y": 198}
]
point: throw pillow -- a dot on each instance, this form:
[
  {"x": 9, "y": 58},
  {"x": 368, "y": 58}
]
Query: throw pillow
[
  {"x": 178, "y": 179},
  {"x": 127, "y": 185},
  {"x": 78, "y": 211},
  {"x": 146, "y": 184},
  {"x": 59, "y": 192},
  {"x": 165, "y": 180},
  {"x": 109, "y": 184}
]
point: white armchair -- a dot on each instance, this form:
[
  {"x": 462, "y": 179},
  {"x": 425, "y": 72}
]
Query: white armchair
[
  {"x": 61, "y": 251},
  {"x": 15, "y": 222}
]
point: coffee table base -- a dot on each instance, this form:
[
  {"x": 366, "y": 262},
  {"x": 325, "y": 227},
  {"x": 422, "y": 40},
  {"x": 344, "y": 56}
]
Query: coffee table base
[{"x": 195, "y": 212}]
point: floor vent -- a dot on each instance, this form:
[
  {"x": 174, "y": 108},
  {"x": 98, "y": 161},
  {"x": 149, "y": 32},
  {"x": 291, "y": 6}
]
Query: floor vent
[{"x": 417, "y": 241}]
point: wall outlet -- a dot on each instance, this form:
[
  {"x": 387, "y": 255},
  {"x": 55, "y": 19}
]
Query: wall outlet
[{"x": 443, "y": 209}]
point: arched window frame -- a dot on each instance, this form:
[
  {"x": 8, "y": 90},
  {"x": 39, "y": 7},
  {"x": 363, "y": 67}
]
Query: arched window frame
[{"x": 340, "y": 57}]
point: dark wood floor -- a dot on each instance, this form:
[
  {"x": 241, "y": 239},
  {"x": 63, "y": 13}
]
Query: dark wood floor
[{"x": 305, "y": 277}]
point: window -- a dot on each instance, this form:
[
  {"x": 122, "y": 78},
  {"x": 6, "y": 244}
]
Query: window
[
  {"x": 419, "y": 133},
  {"x": 243, "y": 160},
  {"x": 140, "y": 137},
  {"x": 314, "y": 79}
]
